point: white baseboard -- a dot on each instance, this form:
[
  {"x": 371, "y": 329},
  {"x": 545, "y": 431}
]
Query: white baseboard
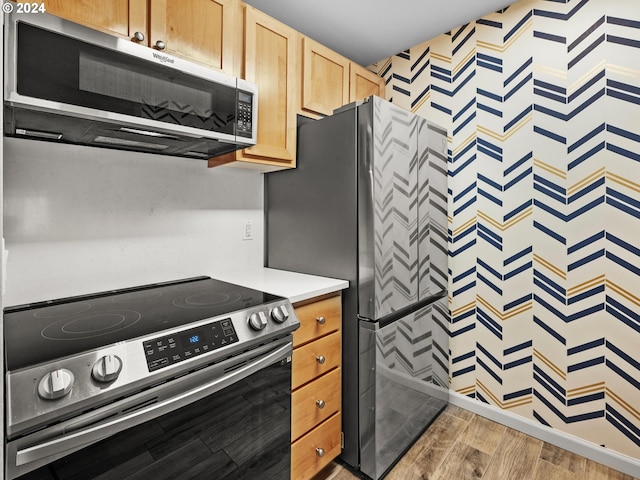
[{"x": 617, "y": 461}]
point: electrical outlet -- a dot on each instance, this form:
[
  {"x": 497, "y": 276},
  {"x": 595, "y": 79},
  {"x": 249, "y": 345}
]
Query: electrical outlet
[{"x": 247, "y": 230}]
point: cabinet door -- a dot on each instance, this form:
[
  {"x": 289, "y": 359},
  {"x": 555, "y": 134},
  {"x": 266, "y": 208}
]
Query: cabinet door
[
  {"x": 119, "y": 17},
  {"x": 315, "y": 359},
  {"x": 271, "y": 62},
  {"x": 317, "y": 319},
  {"x": 315, "y": 450},
  {"x": 207, "y": 31},
  {"x": 325, "y": 78},
  {"x": 315, "y": 402},
  {"x": 364, "y": 83}
]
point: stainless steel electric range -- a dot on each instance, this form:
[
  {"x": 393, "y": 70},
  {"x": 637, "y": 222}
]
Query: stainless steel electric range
[{"x": 173, "y": 380}]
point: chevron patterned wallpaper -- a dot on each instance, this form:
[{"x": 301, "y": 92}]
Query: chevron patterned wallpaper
[{"x": 542, "y": 105}]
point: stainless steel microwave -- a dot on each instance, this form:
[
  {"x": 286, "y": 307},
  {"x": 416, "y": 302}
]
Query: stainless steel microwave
[{"x": 68, "y": 83}]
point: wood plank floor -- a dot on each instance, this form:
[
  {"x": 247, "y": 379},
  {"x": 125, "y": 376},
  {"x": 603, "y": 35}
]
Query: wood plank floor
[{"x": 460, "y": 445}]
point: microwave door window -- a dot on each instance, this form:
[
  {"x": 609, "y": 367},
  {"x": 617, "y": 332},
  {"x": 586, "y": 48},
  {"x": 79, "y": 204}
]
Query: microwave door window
[
  {"x": 158, "y": 98},
  {"x": 94, "y": 77}
]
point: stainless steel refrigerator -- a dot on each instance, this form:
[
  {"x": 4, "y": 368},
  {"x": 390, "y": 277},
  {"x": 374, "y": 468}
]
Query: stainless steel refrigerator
[{"x": 368, "y": 203}]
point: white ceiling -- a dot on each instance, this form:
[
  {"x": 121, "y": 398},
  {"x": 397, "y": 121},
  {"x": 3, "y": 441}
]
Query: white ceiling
[{"x": 367, "y": 31}]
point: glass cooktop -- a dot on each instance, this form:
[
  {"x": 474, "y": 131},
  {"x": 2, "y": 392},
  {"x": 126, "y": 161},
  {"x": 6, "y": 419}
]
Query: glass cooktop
[{"x": 50, "y": 330}]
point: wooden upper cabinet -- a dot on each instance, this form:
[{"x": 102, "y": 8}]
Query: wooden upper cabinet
[
  {"x": 325, "y": 78},
  {"x": 330, "y": 80},
  {"x": 118, "y": 17},
  {"x": 207, "y": 31},
  {"x": 271, "y": 62},
  {"x": 364, "y": 83}
]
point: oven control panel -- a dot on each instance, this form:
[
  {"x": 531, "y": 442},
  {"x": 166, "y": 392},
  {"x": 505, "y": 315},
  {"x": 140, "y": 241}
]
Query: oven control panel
[{"x": 164, "y": 351}]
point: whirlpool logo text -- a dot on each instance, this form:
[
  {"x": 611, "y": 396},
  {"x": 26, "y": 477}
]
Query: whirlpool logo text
[{"x": 163, "y": 58}]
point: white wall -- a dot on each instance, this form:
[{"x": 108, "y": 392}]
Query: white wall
[{"x": 81, "y": 220}]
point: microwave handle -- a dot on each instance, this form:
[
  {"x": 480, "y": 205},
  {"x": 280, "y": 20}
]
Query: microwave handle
[{"x": 95, "y": 433}]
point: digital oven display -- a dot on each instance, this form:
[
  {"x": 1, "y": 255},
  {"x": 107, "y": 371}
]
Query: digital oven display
[{"x": 193, "y": 339}]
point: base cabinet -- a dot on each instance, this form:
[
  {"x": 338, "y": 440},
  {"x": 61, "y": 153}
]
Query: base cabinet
[
  {"x": 314, "y": 451},
  {"x": 316, "y": 401}
]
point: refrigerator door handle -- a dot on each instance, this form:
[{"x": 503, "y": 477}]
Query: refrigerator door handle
[{"x": 414, "y": 307}]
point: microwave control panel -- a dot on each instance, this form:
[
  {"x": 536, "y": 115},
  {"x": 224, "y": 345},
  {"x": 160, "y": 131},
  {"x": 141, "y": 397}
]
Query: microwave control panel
[
  {"x": 244, "y": 125},
  {"x": 168, "y": 350}
]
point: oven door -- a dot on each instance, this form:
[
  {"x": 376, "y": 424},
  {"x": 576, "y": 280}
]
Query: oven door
[{"x": 228, "y": 420}]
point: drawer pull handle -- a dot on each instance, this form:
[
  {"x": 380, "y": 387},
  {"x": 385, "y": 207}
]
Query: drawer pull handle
[
  {"x": 320, "y": 452},
  {"x": 320, "y": 359},
  {"x": 321, "y": 320},
  {"x": 320, "y": 404},
  {"x": 138, "y": 37}
]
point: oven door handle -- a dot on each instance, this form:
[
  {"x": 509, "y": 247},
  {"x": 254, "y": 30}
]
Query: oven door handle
[{"x": 97, "y": 432}]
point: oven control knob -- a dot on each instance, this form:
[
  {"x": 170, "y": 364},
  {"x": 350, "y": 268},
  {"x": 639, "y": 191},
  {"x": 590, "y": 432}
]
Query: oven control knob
[
  {"x": 258, "y": 320},
  {"x": 279, "y": 314},
  {"x": 106, "y": 369},
  {"x": 55, "y": 384}
]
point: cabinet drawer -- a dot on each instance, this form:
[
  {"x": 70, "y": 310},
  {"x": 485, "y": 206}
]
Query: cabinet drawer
[
  {"x": 305, "y": 459},
  {"x": 310, "y": 327},
  {"x": 315, "y": 358},
  {"x": 306, "y": 402}
]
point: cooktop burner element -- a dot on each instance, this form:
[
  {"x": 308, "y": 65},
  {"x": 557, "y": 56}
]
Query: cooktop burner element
[
  {"x": 50, "y": 330},
  {"x": 87, "y": 326},
  {"x": 70, "y": 355},
  {"x": 206, "y": 300}
]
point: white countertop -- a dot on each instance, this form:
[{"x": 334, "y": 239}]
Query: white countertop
[{"x": 294, "y": 286}]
